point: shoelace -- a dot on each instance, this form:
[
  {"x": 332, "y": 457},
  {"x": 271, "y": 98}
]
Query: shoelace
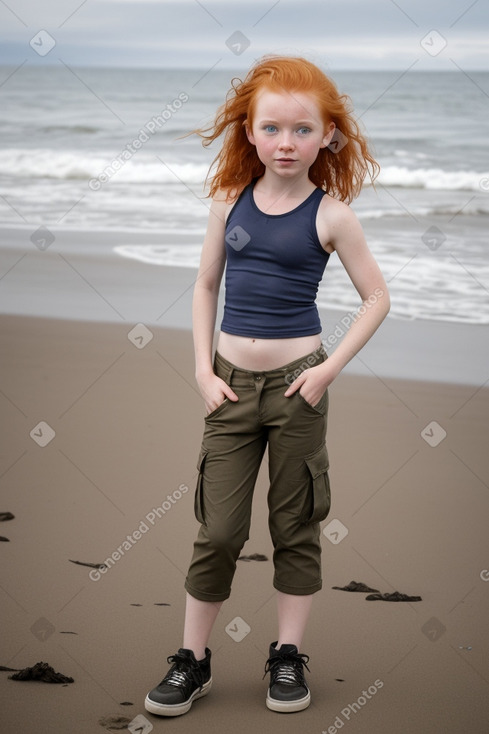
[
  {"x": 183, "y": 672},
  {"x": 287, "y": 668}
]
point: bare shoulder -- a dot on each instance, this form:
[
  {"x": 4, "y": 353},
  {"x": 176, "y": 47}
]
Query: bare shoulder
[
  {"x": 219, "y": 205},
  {"x": 336, "y": 223},
  {"x": 222, "y": 203},
  {"x": 213, "y": 247}
]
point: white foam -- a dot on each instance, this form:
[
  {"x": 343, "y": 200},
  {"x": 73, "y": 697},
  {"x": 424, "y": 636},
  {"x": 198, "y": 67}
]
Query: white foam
[
  {"x": 66, "y": 165},
  {"x": 184, "y": 256},
  {"x": 146, "y": 168},
  {"x": 433, "y": 178}
]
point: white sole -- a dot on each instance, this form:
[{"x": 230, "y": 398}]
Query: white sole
[
  {"x": 288, "y": 707},
  {"x": 160, "y": 709}
]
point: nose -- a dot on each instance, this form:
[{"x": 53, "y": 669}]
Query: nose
[{"x": 286, "y": 142}]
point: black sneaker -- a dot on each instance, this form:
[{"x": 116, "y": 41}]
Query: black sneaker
[
  {"x": 186, "y": 680},
  {"x": 288, "y": 691}
]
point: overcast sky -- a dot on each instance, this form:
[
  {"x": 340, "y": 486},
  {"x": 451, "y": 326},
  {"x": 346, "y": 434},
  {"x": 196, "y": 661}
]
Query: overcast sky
[{"x": 344, "y": 34}]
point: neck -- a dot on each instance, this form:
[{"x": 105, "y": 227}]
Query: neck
[{"x": 288, "y": 188}]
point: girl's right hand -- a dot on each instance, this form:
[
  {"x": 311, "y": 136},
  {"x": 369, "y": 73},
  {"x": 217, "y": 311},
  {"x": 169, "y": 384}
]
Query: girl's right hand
[{"x": 214, "y": 391}]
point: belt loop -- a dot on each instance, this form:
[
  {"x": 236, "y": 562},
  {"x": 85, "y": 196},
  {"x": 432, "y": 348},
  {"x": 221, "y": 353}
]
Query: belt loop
[{"x": 230, "y": 374}]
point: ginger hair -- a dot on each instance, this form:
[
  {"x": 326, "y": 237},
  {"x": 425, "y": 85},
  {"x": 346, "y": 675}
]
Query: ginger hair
[{"x": 340, "y": 173}]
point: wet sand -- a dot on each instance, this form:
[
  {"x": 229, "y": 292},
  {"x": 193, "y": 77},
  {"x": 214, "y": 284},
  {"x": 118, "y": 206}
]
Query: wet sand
[{"x": 116, "y": 481}]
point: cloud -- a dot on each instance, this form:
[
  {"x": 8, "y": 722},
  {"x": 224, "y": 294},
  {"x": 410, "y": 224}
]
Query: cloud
[{"x": 346, "y": 34}]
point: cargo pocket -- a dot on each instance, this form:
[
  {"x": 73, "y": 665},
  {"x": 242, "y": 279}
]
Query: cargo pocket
[
  {"x": 199, "y": 490},
  {"x": 318, "y": 501}
]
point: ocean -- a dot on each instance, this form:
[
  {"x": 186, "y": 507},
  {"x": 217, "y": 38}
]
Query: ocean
[{"x": 98, "y": 150}]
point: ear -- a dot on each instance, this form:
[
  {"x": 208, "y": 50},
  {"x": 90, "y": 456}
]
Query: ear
[
  {"x": 328, "y": 135},
  {"x": 249, "y": 134}
]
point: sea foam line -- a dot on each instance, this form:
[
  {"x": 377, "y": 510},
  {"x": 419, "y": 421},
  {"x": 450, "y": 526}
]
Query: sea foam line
[{"x": 69, "y": 164}]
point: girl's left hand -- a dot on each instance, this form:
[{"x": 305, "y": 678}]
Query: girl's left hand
[{"x": 311, "y": 383}]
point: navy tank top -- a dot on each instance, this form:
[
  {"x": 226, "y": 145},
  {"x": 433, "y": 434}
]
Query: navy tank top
[{"x": 274, "y": 265}]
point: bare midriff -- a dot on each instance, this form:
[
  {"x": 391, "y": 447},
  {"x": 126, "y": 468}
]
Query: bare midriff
[{"x": 264, "y": 354}]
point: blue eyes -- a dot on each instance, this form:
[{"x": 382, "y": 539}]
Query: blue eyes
[{"x": 273, "y": 129}]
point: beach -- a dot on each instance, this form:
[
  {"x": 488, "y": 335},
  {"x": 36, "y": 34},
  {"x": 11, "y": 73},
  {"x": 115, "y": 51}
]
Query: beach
[
  {"x": 101, "y": 432},
  {"x": 102, "y": 217}
]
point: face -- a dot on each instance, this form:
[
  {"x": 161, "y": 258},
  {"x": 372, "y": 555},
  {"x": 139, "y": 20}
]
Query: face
[{"x": 288, "y": 132}]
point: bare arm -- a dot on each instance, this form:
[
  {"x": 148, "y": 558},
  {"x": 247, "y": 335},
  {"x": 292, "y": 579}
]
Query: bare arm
[
  {"x": 349, "y": 242},
  {"x": 204, "y": 308},
  {"x": 347, "y": 238}
]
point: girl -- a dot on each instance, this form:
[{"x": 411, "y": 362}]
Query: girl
[{"x": 291, "y": 161}]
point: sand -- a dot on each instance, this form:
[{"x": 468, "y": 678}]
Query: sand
[{"x": 409, "y": 513}]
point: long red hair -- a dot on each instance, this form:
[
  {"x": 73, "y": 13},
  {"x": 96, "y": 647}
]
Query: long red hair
[{"x": 340, "y": 173}]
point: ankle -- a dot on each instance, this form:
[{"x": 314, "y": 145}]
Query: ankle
[
  {"x": 199, "y": 653},
  {"x": 289, "y": 641}
]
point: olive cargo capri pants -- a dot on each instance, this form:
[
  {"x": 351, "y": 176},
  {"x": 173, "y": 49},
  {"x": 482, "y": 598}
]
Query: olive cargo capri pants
[{"x": 235, "y": 438}]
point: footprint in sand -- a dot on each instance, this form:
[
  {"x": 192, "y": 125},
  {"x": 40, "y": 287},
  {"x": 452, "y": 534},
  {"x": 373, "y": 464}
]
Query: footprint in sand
[{"x": 114, "y": 722}]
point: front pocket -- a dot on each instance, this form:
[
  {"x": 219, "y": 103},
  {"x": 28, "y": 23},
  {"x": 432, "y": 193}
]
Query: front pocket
[
  {"x": 199, "y": 490},
  {"x": 318, "y": 501},
  {"x": 217, "y": 410},
  {"x": 321, "y": 407}
]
